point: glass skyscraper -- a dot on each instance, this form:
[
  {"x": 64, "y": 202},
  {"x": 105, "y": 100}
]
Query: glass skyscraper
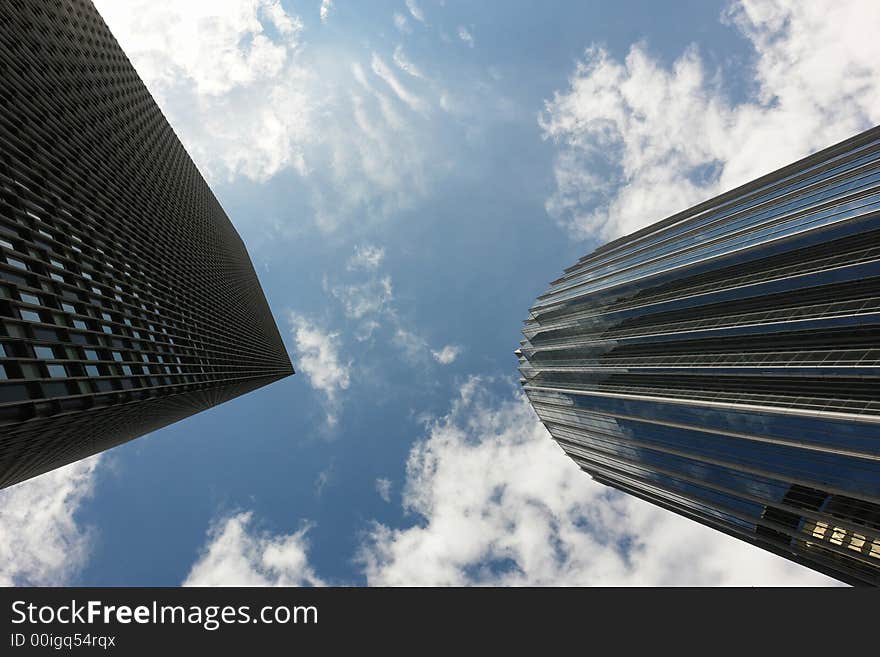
[
  {"x": 724, "y": 363},
  {"x": 127, "y": 299}
]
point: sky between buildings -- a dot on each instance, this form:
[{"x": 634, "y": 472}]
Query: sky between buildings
[{"x": 408, "y": 176}]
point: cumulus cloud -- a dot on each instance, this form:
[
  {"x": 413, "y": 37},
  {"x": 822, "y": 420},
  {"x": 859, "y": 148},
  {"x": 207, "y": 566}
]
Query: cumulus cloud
[
  {"x": 383, "y": 487},
  {"x": 238, "y": 554},
  {"x": 496, "y": 502},
  {"x": 207, "y": 60},
  {"x": 42, "y": 543},
  {"x": 447, "y": 354},
  {"x": 639, "y": 141},
  {"x": 415, "y": 10},
  {"x": 317, "y": 357},
  {"x": 465, "y": 35},
  {"x": 366, "y": 257}
]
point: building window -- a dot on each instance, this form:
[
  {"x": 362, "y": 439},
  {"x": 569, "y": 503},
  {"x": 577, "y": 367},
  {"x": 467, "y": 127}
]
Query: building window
[
  {"x": 57, "y": 371},
  {"x": 29, "y": 315},
  {"x": 44, "y": 352}
]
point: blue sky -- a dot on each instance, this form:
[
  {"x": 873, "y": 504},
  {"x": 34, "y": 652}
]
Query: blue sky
[{"x": 408, "y": 177}]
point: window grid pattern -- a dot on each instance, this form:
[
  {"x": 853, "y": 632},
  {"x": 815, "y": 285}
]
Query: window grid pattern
[
  {"x": 122, "y": 281},
  {"x": 724, "y": 363}
]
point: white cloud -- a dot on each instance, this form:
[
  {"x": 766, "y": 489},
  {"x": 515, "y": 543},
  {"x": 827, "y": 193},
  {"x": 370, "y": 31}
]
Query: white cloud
[
  {"x": 206, "y": 61},
  {"x": 42, "y": 543},
  {"x": 387, "y": 75},
  {"x": 250, "y": 98},
  {"x": 414, "y": 347},
  {"x": 465, "y": 35},
  {"x": 317, "y": 357},
  {"x": 368, "y": 298},
  {"x": 326, "y": 6},
  {"x": 324, "y": 477},
  {"x": 366, "y": 257},
  {"x": 639, "y": 141},
  {"x": 498, "y": 503},
  {"x": 415, "y": 10},
  {"x": 447, "y": 354},
  {"x": 383, "y": 487},
  {"x": 366, "y": 329},
  {"x": 403, "y": 63},
  {"x": 236, "y": 554},
  {"x": 401, "y": 23},
  {"x": 370, "y": 302}
]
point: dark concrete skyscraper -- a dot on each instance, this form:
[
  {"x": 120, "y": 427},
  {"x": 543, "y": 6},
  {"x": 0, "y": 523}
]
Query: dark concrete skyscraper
[
  {"x": 127, "y": 299},
  {"x": 724, "y": 363}
]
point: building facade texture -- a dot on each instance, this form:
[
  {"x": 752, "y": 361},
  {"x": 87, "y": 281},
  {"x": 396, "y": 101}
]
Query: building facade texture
[
  {"x": 127, "y": 299},
  {"x": 724, "y": 363}
]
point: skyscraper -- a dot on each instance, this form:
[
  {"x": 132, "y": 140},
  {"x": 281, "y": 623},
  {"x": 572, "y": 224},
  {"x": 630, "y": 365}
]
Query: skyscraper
[
  {"x": 724, "y": 363},
  {"x": 127, "y": 299}
]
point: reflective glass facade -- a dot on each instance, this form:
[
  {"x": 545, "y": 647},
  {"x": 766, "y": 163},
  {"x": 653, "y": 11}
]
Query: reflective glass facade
[
  {"x": 724, "y": 363},
  {"x": 127, "y": 299}
]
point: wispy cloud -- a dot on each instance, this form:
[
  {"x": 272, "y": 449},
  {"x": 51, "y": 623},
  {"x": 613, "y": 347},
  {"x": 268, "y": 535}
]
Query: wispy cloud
[
  {"x": 367, "y": 298},
  {"x": 401, "y": 23},
  {"x": 496, "y": 502},
  {"x": 383, "y": 487},
  {"x": 250, "y": 98},
  {"x": 366, "y": 257},
  {"x": 465, "y": 35},
  {"x": 400, "y": 59},
  {"x": 317, "y": 357},
  {"x": 387, "y": 75},
  {"x": 324, "y": 477},
  {"x": 413, "y": 347},
  {"x": 415, "y": 10},
  {"x": 42, "y": 543},
  {"x": 639, "y": 141},
  {"x": 447, "y": 354},
  {"x": 238, "y": 554},
  {"x": 326, "y": 6}
]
